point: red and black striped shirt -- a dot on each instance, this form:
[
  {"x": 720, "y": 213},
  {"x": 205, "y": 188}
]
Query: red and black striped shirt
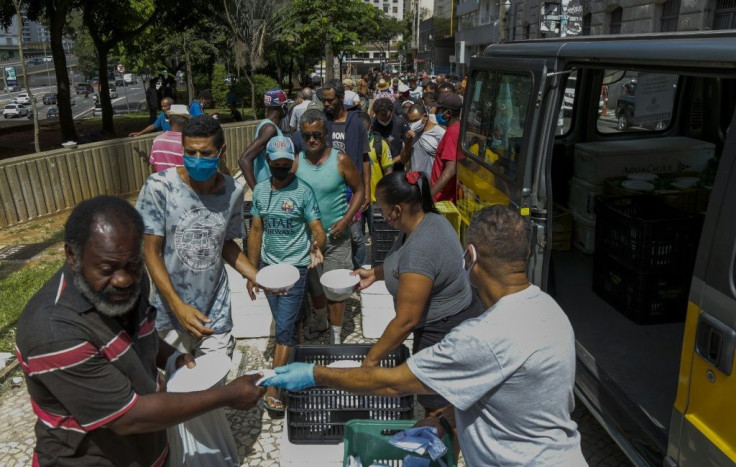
[{"x": 84, "y": 370}]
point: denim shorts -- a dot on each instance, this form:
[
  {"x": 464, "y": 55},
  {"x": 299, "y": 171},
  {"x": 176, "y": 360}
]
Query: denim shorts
[{"x": 287, "y": 310}]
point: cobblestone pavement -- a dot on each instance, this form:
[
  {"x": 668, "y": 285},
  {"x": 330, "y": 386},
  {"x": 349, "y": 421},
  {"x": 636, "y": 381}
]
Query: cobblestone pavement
[{"x": 258, "y": 437}]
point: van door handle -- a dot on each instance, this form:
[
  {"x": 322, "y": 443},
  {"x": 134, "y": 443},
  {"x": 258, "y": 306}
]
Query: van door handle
[{"x": 716, "y": 343}]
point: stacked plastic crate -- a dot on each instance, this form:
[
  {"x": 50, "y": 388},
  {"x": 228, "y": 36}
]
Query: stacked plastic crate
[{"x": 382, "y": 238}]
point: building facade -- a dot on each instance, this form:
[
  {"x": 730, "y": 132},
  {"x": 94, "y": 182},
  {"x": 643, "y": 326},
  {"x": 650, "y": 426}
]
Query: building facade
[{"x": 472, "y": 25}]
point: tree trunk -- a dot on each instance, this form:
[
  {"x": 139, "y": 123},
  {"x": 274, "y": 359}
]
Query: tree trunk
[
  {"x": 252, "y": 95},
  {"x": 108, "y": 126},
  {"x": 26, "y": 82},
  {"x": 329, "y": 61},
  {"x": 190, "y": 79},
  {"x": 56, "y": 12},
  {"x": 291, "y": 71}
]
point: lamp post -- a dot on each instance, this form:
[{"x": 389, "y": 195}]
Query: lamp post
[{"x": 505, "y": 26}]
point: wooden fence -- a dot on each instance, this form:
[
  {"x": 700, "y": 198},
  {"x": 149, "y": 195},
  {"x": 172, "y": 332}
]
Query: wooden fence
[{"x": 51, "y": 182}]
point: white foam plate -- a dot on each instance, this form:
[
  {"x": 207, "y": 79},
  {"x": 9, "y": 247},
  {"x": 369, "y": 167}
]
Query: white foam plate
[
  {"x": 210, "y": 370},
  {"x": 637, "y": 185},
  {"x": 685, "y": 182},
  {"x": 278, "y": 277},
  {"x": 339, "y": 280},
  {"x": 643, "y": 177}
]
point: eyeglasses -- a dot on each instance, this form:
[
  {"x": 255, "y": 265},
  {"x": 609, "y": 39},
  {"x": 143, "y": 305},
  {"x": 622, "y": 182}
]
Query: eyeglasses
[{"x": 314, "y": 134}]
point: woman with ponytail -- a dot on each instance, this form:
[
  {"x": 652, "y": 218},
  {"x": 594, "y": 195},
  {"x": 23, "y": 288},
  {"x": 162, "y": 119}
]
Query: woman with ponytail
[{"x": 423, "y": 272}]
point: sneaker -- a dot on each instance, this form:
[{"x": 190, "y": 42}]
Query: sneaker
[{"x": 315, "y": 329}]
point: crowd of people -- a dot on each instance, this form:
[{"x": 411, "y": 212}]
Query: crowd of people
[{"x": 493, "y": 355}]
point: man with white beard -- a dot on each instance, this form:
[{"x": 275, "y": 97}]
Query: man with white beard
[{"x": 88, "y": 347}]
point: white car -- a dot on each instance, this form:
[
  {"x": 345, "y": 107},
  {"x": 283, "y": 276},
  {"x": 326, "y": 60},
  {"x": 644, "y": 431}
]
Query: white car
[
  {"x": 23, "y": 99},
  {"x": 14, "y": 110}
]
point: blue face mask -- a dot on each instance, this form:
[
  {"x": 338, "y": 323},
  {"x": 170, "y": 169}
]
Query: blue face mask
[
  {"x": 201, "y": 169},
  {"x": 496, "y": 143},
  {"x": 441, "y": 119}
]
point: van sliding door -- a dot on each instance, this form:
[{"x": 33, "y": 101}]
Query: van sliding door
[
  {"x": 499, "y": 136},
  {"x": 703, "y": 424}
]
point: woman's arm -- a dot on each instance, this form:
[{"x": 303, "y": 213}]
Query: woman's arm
[{"x": 412, "y": 298}]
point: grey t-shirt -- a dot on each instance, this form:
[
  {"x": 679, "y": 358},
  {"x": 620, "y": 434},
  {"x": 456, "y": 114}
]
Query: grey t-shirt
[
  {"x": 432, "y": 250},
  {"x": 424, "y": 149},
  {"x": 510, "y": 375},
  {"x": 194, "y": 227}
]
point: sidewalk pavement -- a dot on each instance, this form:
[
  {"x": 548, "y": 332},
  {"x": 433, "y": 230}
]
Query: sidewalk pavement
[{"x": 261, "y": 441}]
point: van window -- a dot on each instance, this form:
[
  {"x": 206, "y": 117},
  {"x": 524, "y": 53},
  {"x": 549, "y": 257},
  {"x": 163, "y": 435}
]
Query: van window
[
  {"x": 639, "y": 102},
  {"x": 568, "y": 104},
  {"x": 496, "y": 116}
]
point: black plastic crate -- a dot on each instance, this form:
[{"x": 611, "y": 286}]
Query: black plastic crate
[
  {"x": 644, "y": 298},
  {"x": 379, "y": 250},
  {"x": 318, "y": 415},
  {"x": 646, "y": 234}
]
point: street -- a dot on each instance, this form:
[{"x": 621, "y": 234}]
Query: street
[{"x": 128, "y": 100}]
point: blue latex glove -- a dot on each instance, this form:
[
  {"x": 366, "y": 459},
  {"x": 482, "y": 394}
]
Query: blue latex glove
[{"x": 292, "y": 377}]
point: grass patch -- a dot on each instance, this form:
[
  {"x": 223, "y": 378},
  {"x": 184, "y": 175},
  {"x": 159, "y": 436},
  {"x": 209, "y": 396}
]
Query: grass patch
[{"x": 16, "y": 290}]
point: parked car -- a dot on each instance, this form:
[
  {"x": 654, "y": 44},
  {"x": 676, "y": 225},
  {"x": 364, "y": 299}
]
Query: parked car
[
  {"x": 23, "y": 99},
  {"x": 113, "y": 92},
  {"x": 53, "y": 113},
  {"x": 97, "y": 111},
  {"x": 626, "y": 108},
  {"x": 119, "y": 82},
  {"x": 49, "y": 98},
  {"x": 14, "y": 111},
  {"x": 81, "y": 87}
]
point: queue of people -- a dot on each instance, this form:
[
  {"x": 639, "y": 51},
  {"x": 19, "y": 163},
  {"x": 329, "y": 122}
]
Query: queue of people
[{"x": 493, "y": 356}]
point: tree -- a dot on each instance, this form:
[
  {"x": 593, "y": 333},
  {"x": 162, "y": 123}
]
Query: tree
[
  {"x": 54, "y": 14},
  {"x": 338, "y": 26},
  {"x": 253, "y": 24},
  {"x": 110, "y": 23},
  {"x": 19, "y": 16},
  {"x": 381, "y": 37}
]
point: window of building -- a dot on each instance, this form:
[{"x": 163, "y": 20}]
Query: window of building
[
  {"x": 587, "y": 18},
  {"x": 616, "y": 17},
  {"x": 724, "y": 14},
  {"x": 385, "y": 8},
  {"x": 670, "y": 16},
  {"x": 395, "y": 9}
]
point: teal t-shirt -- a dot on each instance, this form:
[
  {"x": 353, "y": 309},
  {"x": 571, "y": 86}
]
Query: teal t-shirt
[{"x": 285, "y": 214}]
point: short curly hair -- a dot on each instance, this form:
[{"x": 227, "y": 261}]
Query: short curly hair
[
  {"x": 117, "y": 211},
  {"x": 383, "y": 105},
  {"x": 501, "y": 235},
  {"x": 204, "y": 126}
]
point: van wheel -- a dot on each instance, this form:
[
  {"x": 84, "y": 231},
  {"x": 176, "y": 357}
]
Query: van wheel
[{"x": 623, "y": 123}]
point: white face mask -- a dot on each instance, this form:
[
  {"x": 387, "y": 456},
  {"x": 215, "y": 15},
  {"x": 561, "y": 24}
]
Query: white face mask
[
  {"x": 386, "y": 123},
  {"x": 473, "y": 255},
  {"x": 417, "y": 126},
  {"x": 432, "y": 118}
]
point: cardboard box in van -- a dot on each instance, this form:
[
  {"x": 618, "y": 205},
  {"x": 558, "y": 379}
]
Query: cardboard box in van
[{"x": 595, "y": 162}]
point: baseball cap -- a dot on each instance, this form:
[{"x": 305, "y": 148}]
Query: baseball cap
[
  {"x": 274, "y": 98},
  {"x": 449, "y": 100},
  {"x": 280, "y": 147},
  {"x": 179, "y": 109},
  {"x": 403, "y": 88}
]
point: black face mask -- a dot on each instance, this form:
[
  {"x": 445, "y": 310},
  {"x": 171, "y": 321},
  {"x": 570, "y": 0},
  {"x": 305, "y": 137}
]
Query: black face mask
[{"x": 280, "y": 173}]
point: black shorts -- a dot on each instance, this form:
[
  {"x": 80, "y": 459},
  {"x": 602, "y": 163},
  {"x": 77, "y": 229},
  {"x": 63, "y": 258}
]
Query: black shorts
[{"x": 432, "y": 333}]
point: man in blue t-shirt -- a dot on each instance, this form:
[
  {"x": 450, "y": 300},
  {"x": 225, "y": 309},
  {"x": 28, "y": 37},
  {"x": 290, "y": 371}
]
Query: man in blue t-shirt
[
  {"x": 286, "y": 229},
  {"x": 204, "y": 100},
  {"x": 161, "y": 123}
]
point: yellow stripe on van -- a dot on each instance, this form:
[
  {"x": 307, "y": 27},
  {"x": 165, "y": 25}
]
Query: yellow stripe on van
[
  {"x": 709, "y": 404},
  {"x": 686, "y": 356}
]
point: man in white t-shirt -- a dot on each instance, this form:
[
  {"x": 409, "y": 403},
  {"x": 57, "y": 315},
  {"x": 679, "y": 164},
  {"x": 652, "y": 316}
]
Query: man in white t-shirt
[
  {"x": 296, "y": 114},
  {"x": 509, "y": 373},
  {"x": 422, "y": 140}
]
